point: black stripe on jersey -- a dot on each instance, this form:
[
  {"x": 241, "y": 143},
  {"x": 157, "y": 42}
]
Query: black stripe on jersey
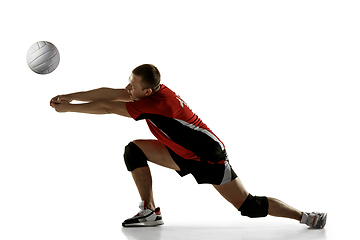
[{"x": 198, "y": 142}]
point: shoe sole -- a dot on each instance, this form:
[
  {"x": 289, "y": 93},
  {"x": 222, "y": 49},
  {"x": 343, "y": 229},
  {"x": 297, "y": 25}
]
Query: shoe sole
[{"x": 145, "y": 224}]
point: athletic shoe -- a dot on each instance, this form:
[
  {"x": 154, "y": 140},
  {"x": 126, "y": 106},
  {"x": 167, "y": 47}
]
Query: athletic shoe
[
  {"x": 314, "y": 219},
  {"x": 145, "y": 218}
]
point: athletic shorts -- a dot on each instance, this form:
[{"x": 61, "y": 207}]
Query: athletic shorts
[{"x": 204, "y": 172}]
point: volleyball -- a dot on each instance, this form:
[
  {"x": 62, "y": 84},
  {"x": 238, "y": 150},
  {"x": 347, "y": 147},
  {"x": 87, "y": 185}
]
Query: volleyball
[{"x": 43, "y": 57}]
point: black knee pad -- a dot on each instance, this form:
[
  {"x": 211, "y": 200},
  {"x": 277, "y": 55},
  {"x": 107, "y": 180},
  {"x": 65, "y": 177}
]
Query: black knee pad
[
  {"x": 134, "y": 157},
  {"x": 255, "y": 207}
]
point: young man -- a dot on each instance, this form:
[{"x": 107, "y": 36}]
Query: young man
[{"x": 184, "y": 143}]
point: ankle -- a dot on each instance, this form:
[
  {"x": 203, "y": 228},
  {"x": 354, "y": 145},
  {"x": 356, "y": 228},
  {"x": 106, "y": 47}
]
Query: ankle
[
  {"x": 304, "y": 217},
  {"x": 150, "y": 205}
]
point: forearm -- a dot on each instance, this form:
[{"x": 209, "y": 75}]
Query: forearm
[
  {"x": 98, "y": 107},
  {"x": 92, "y": 108},
  {"x": 101, "y": 94}
]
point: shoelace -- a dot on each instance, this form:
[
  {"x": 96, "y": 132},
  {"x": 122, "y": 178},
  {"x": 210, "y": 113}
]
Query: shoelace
[{"x": 144, "y": 212}]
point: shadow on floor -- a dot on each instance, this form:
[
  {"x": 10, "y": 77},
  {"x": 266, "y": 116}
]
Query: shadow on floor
[{"x": 223, "y": 233}]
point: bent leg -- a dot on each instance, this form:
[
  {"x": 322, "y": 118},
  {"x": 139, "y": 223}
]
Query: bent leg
[
  {"x": 143, "y": 180},
  {"x": 155, "y": 152}
]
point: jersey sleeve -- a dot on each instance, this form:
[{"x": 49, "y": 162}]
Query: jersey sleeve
[{"x": 141, "y": 107}]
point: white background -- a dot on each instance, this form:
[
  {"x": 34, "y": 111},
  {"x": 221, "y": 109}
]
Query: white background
[{"x": 277, "y": 81}]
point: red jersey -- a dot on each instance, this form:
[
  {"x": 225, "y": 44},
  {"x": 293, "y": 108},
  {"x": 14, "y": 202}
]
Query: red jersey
[{"x": 175, "y": 125}]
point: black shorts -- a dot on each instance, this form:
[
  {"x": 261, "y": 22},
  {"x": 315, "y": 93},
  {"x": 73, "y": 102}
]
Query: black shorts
[{"x": 204, "y": 172}]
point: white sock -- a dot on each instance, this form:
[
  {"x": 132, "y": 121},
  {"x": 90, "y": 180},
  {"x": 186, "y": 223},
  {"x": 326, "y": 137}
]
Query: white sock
[{"x": 304, "y": 218}]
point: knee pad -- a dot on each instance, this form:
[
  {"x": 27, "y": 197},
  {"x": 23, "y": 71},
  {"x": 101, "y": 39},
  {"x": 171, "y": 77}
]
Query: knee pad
[
  {"x": 255, "y": 207},
  {"x": 134, "y": 157}
]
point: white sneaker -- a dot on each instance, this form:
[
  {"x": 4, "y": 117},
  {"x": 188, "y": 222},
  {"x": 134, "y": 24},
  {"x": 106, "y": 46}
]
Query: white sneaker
[
  {"x": 314, "y": 219},
  {"x": 145, "y": 218}
]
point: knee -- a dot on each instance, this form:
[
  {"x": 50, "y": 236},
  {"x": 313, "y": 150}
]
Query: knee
[
  {"x": 255, "y": 206},
  {"x": 134, "y": 157}
]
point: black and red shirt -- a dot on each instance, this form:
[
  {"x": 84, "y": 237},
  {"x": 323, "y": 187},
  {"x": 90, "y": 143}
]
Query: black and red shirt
[{"x": 175, "y": 125}]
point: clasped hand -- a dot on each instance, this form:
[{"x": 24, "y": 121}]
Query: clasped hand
[{"x": 60, "y": 103}]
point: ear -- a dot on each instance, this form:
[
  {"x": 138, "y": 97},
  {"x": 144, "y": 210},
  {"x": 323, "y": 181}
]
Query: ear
[{"x": 148, "y": 92}]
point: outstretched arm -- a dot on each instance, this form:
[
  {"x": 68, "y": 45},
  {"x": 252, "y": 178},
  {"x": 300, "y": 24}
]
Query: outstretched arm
[
  {"x": 100, "y": 94},
  {"x": 97, "y": 107}
]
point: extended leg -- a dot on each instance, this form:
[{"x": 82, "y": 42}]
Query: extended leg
[
  {"x": 234, "y": 192},
  {"x": 237, "y": 195},
  {"x": 279, "y": 209}
]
